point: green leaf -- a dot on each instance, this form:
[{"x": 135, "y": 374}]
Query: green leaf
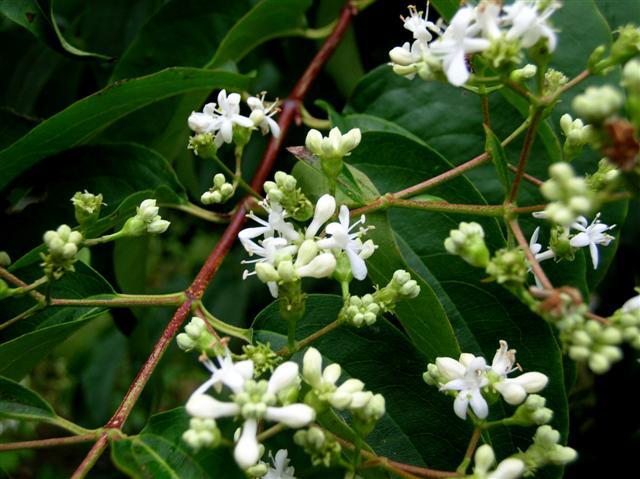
[
  {"x": 86, "y": 117},
  {"x": 39, "y": 20},
  {"x": 267, "y": 20},
  {"x": 419, "y": 427},
  {"x": 446, "y": 8},
  {"x": 180, "y": 33},
  {"x": 498, "y": 156},
  {"x": 158, "y": 452},
  {"x": 19, "y": 402},
  {"x": 29, "y": 340}
]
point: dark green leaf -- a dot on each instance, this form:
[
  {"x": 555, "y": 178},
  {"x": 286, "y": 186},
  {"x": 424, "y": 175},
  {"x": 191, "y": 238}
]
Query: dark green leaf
[
  {"x": 40, "y": 22},
  {"x": 88, "y": 116},
  {"x": 19, "y": 402}
]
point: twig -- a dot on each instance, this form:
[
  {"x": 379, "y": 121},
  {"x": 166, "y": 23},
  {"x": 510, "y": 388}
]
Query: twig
[
  {"x": 527, "y": 177},
  {"x": 533, "y": 262},
  {"x": 524, "y": 154},
  {"x": 51, "y": 442},
  {"x": 5, "y": 274}
]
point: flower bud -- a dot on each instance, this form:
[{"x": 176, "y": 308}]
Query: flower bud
[
  {"x": 525, "y": 73},
  {"x": 631, "y": 76},
  {"x": 312, "y": 367},
  {"x": 185, "y": 342},
  {"x": 401, "y": 56},
  {"x": 597, "y": 104},
  {"x": 322, "y": 266},
  {"x": 87, "y": 207},
  {"x": 484, "y": 459},
  {"x": 510, "y": 468},
  {"x": 313, "y": 142},
  {"x": 5, "y": 259}
]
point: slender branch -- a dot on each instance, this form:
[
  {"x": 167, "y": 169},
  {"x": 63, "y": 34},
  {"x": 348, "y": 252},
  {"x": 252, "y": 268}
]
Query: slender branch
[
  {"x": 527, "y": 209},
  {"x": 527, "y": 177},
  {"x": 51, "y": 442},
  {"x": 567, "y": 86},
  {"x": 397, "y": 466},
  {"x": 536, "y": 118},
  {"x": 444, "y": 207},
  {"x": 471, "y": 448},
  {"x": 533, "y": 262},
  {"x": 224, "y": 328},
  {"x": 286, "y": 351},
  {"x": 486, "y": 119},
  {"x": 211, "y": 265},
  {"x": 91, "y": 458},
  {"x": 124, "y": 301},
  {"x": 5, "y": 274},
  {"x": 23, "y": 315},
  {"x": 272, "y": 431},
  {"x": 199, "y": 212}
]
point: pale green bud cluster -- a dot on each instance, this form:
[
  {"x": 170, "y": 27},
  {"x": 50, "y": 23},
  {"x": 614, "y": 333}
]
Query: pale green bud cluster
[
  {"x": 546, "y": 449},
  {"x": 468, "y": 243},
  {"x": 203, "y": 145},
  {"x": 360, "y": 311},
  {"x": 63, "y": 245},
  {"x": 532, "y": 412},
  {"x": 628, "y": 323},
  {"x": 553, "y": 81},
  {"x": 220, "y": 192},
  {"x": 320, "y": 445},
  {"x": 400, "y": 287},
  {"x": 484, "y": 460},
  {"x": 569, "y": 195},
  {"x": 196, "y": 336},
  {"x": 577, "y": 134},
  {"x": 595, "y": 343},
  {"x": 597, "y": 104},
  {"x": 332, "y": 149},
  {"x": 259, "y": 470},
  {"x": 433, "y": 377},
  {"x": 520, "y": 75},
  {"x": 254, "y": 399},
  {"x": 263, "y": 357},
  {"x": 411, "y": 59},
  {"x": 631, "y": 76},
  {"x": 508, "y": 266},
  {"x": 626, "y": 45},
  {"x": 146, "y": 220},
  {"x": 605, "y": 178},
  {"x": 503, "y": 53},
  {"x": 284, "y": 191},
  {"x": 87, "y": 207},
  {"x": 202, "y": 433}
]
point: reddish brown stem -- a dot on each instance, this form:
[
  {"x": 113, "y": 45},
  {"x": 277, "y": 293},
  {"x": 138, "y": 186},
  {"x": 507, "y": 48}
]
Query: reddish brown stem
[
  {"x": 527, "y": 177},
  {"x": 471, "y": 448},
  {"x": 51, "y": 442},
  {"x": 210, "y": 267},
  {"x": 524, "y": 154},
  {"x": 533, "y": 262},
  {"x": 598, "y": 318},
  {"x": 13, "y": 279}
]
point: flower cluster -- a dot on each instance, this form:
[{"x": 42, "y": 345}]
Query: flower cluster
[
  {"x": 319, "y": 444},
  {"x": 577, "y": 134},
  {"x": 252, "y": 401},
  {"x": 288, "y": 253},
  {"x": 484, "y": 460},
  {"x": 221, "y": 122},
  {"x": 146, "y": 220},
  {"x": 220, "y": 192},
  {"x": 564, "y": 242},
  {"x": 597, "y": 104},
  {"x": 87, "y": 207},
  {"x": 62, "y": 245},
  {"x": 498, "y": 31},
  {"x": 350, "y": 395},
  {"x": 470, "y": 379},
  {"x": 569, "y": 195}
]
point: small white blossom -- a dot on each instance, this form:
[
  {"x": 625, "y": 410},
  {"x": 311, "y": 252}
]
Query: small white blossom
[
  {"x": 220, "y": 118},
  {"x": 334, "y": 145},
  {"x": 487, "y": 20},
  {"x": 591, "y": 235},
  {"x": 514, "y": 390},
  {"x": 281, "y": 468},
  {"x": 419, "y": 26},
  {"x": 325, "y": 208},
  {"x": 528, "y": 24},
  {"x": 207, "y": 121},
  {"x": 275, "y": 224},
  {"x": 344, "y": 239},
  {"x": 261, "y": 115},
  {"x": 536, "y": 248},
  {"x": 466, "y": 376},
  {"x": 455, "y": 43},
  {"x": 510, "y": 468},
  {"x": 631, "y": 305}
]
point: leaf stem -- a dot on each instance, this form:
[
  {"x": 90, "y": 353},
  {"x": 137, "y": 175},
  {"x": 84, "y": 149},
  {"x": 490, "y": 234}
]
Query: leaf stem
[
  {"x": 25, "y": 314},
  {"x": 51, "y": 442},
  {"x": 13, "y": 279},
  {"x": 221, "y": 326},
  {"x": 287, "y": 351},
  {"x": 471, "y": 448},
  {"x": 199, "y": 212},
  {"x": 124, "y": 301},
  {"x": 272, "y": 431},
  {"x": 91, "y": 458}
]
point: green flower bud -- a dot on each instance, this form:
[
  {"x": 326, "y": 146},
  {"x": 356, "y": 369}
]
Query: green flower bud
[
  {"x": 5, "y": 259},
  {"x": 508, "y": 266},
  {"x": 522, "y": 74},
  {"x": 468, "y": 243},
  {"x": 266, "y": 272},
  {"x": 203, "y": 145},
  {"x": 631, "y": 76},
  {"x": 87, "y": 207},
  {"x": 626, "y": 45}
]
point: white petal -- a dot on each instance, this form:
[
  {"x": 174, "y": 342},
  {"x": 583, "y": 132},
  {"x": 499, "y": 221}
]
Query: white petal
[
  {"x": 325, "y": 208},
  {"x": 242, "y": 121},
  {"x": 312, "y": 367},
  {"x": 456, "y": 69},
  {"x": 321, "y": 266},
  {"x": 532, "y": 382},
  {"x": 205, "y": 406},
  {"x": 450, "y": 368},
  {"x": 593, "y": 249},
  {"x": 226, "y": 131},
  {"x": 331, "y": 373},
  {"x": 580, "y": 240},
  {"x": 247, "y": 450},
  {"x": 479, "y": 404},
  {"x": 460, "y": 405},
  {"x": 358, "y": 266},
  {"x": 282, "y": 377},
  {"x": 512, "y": 392},
  {"x": 274, "y": 127},
  {"x": 510, "y": 468},
  {"x": 294, "y": 415}
]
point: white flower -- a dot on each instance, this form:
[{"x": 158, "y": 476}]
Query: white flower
[
  {"x": 233, "y": 375},
  {"x": 342, "y": 238},
  {"x": 487, "y": 16},
  {"x": 147, "y": 219},
  {"x": 281, "y": 468},
  {"x": 334, "y": 145},
  {"x": 536, "y": 247},
  {"x": 455, "y": 43},
  {"x": 407, "y": 54},
  {"x": 253, "y": 401},
  {"x": 591, "y": 235},
  {"x": 268, "y": 252},
  {"x": 261, "y": 115},
  {"x": 528, "y": 24},
  {"x": 275, "y": 224},
  {"x": 468, "y": 377},
  {"x": 514, "y": 390},
  {"x": 206, "y": 121},
  {"x": 325, "y": 208},
  {"x": 419, "y": 25},
  {"x": 227, "y": 115}
]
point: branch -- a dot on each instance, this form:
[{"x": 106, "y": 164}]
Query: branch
[
  {"x": 536, "y": 118},
  {"x": 210, "y": 267},
  {"x": 52, "y": 442},
  {"x": 533, "y": 262},
  {"x": 5, "y": 274}
]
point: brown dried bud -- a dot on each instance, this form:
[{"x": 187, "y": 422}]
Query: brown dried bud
[{"x": 624, "y": 147}]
